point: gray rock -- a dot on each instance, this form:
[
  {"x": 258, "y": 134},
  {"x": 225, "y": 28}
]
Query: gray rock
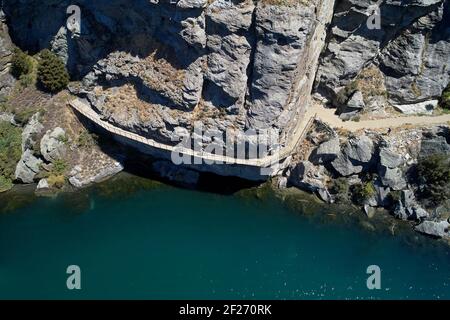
[
  {"x": 426, "y": 107},
  {"x": 29, "y": 133},
  {"x": 325, "y": 195},
  {"x": 434, "y": 145},
  {"x": 392, "y": 178},
  {"x": 436, "y": 229},
  {"x": 81, "y": 179},
  {"x": 410, "y": 48},
  {"x": 356, "y": 101},
  {"x": 356, "y": 156},
  {"x": 307, "y": 176},
  {"x": 381, "y": 194},
  {"x": 389, "y": 158},
  {"x": 327, "y": 151},
  {"x": 191, "y": 4},
  {"x": 53, "y": 146},
  {"x": 369, "y": 211},
  {"x": 407, "y": 208},
  {"x": 42, "y": 185},
  {"x": 28, "y": 167}
]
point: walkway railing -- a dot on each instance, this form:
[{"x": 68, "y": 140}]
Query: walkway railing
[{"x": 88, "y": 112}]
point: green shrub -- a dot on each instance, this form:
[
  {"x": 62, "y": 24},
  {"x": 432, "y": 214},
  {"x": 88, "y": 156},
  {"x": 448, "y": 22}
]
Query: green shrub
[
  {"x": 435, "y": 171},
  {"x": 59, "y": 167},
  {"x": 10, "y": 149},
  {"x": 445, "y": 99},
  {"x": 85, "y": 139},
  {"x": 5, "y": 184},
  {"x": 24, "y": 116},
  {"x": 340, "y": 188},
  {"x": 363, "y": 191},
  {"x": 22, "y": 63},
  {"x": 52, "y": 73},
  {"x": 394, "y": 196}
]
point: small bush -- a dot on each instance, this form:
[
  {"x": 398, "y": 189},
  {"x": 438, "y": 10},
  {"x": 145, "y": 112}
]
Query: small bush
[
  {"x": 56, "y": 181},
  {"x": 22, "y": 63},
  {"x": 23, "y": 117},
  {"x": 10, "y": 149},
  {"x": 5, "y": 184},
  {"x": 364, "y": 191},
  {"x": 59, "y": 167},
  {"x": 445, "y": 99},
  {"x": 435, "y": 172},
  {"x": 85, "y": 140},
  {"x": 340, "y": 188},
  {"x": 52, "y": 73},
  {"x": 63, "y": 139}
]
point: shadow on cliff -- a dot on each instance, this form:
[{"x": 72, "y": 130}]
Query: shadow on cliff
[
  {"x": 141, "y": 165},
  {"x": 106, "y": 26}
]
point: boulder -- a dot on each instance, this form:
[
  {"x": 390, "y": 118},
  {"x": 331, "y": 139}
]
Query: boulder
[
  {"x": 28, "y": 167},
  {"x": 381, "y": 194},
  {"x": 356, "y": 156},
  {"x": 53, "y": 146},
  {"x": 369, "y": 211},
  {"x": 439, "y": 229},
  {"x": 306, "y": 175},
  {"x": 434, "y": 145},
  {"x": 42, "y": 185},
  {"x": 29, "y": 133},
  {"x": 356, "y": 101},
  {"x": 326, "y": 151},
  {"x": 426, "y": 107},
  {"x": 392, "y": 178},
  {"x": 325, "y": 195},
  {"x": 81, "y": 178},
  {"x": 390, "y": 158},
  {"x": 407, "y": 208}
]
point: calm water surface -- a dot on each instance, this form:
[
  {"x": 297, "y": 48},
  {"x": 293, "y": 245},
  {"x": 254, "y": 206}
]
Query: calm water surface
[{"x": 134, "y": 238}]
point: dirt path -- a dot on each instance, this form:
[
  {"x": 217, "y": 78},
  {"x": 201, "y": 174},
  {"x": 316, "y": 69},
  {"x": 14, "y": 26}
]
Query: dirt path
[{"x": 327, "y": 115}]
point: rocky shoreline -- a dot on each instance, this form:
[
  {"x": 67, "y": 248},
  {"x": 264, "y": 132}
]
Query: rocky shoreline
[{"x": 375, "y": 170}]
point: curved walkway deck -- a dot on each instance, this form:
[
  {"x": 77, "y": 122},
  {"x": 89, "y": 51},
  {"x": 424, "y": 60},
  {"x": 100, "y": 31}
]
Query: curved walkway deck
[{"x": 89, "y": 113}]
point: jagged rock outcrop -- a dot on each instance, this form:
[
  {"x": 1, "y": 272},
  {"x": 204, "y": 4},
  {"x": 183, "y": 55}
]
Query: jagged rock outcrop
[
  {"x": 356, "y": 155},
  {"x": 81, "y": 177},
  {"x": 411, "y": 48},
  {"x": 439, "y": 229},
  {"x": 6, "y": 47},
  {"x": 53, "y": 145},
  {"x": 28, "y": 167},
  {"x": 31, "y": 130}
]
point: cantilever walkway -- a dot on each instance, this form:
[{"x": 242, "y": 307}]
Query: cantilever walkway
[{"x": 268, "y": 161}]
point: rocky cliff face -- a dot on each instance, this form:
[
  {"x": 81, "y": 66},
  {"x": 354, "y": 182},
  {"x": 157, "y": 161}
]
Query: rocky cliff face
[
  {"x": 238, "y": 64},
  {"x": 411, "y": 49},
  {"x": 6, "y": 46}
]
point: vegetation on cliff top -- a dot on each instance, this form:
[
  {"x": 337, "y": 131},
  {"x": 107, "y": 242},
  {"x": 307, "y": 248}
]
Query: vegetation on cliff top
[
  {"x": 23, "y": 68},
  {"x": 52, "y": 73}
]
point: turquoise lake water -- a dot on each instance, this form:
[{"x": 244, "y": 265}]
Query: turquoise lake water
[{"x": 148, "y": 240}]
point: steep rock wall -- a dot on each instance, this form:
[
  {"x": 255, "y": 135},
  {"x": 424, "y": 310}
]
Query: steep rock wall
[{"x": 156, "y": 69}]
